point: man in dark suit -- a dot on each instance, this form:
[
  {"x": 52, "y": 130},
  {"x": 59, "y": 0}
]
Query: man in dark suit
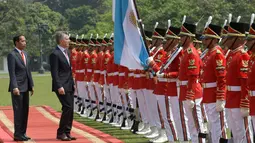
[
  {"x": 21, "y": 83},
  {"x": 63, "y": 84}
]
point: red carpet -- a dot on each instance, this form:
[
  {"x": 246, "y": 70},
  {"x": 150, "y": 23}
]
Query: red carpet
[{"x": 42, "y": 126}]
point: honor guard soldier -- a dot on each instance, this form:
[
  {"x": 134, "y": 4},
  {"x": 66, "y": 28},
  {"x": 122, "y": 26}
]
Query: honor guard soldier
[
  {"x": 90, "y": 74},
  {"x": 237, "y": 101},
  {"x": 73, "y": 58},
  {"x": 213, "y": 79},
  {"x": 83, "y": 84},
  {"x": 159, "y": 56},
  {"x": 250, "y": 80},
  {"x": 190, "y": 88},
  {"x": 172, "y": 92}
]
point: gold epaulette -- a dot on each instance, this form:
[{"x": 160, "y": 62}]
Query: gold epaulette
[
  {"x": 243, "y": 51},
  {"x": 218, "y": 51},
  {"x": 189, "y": 50}
]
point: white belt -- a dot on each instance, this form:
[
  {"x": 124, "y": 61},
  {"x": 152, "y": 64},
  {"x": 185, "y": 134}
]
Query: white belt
[
  {"x": 209, "y": 85},
  {"x": 171, "y": 80},
  {"x": 185, "y": 82},
  {"x": 122, "y": 74},
  {"x": 162, "y": 79},
  {"x": 89, "y": 70},
  {"x": 143, "y": 75},
  {"x": 131, "y": 74},
  {"x": 115, "y": 73},
  {"x": 110, "y": 74},
  {"x": 97, "y": 71},
  {"x": 103, "y": 72},
  {"x": 234, "y": 88},
  {"x": 80, "y": 71},
  {"x": 252, "y": 92},
  {"x": 137, "y": 75}
]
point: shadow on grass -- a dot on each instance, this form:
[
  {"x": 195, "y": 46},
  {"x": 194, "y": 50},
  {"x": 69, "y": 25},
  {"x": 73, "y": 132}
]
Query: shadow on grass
[{"x": 124, "y": 135}]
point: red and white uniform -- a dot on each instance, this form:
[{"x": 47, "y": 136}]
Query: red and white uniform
[
  {"x": 251, "y": 87},
  {"x": 79, "y": 73},
  {"x": 103, "y": 75},
  {"x": 163, "y": 102},
  {"x": 86, "y": 57},
  {"x": 97, "y": 73},
  {"x": 73, "y": 62},
  {"x": 177, "y": 110},
  {"x": 237, "y": 94},
  {"x": 213, "y": 79},
  {"x": 190, "y": 89},
  {"x": 90, "y": 76}
]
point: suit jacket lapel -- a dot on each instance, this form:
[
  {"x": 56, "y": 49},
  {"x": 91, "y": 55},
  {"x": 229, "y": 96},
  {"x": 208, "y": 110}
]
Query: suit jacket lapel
[
  {"x": 19, "y": 56},
  {"x": 62, "y": 56}
]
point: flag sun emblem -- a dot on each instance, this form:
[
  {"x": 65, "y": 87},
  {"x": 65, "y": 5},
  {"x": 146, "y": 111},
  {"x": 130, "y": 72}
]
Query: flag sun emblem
[{"x": 132, "y": 18}]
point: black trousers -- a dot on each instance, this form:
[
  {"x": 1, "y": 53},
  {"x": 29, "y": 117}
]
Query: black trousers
[
  {"x": 20, "y": 106},
  {"x": 66, "y": 120}
]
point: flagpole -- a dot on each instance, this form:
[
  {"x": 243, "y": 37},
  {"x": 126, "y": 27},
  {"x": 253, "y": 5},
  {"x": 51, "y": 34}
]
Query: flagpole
[{"x": 140, "y": 24}]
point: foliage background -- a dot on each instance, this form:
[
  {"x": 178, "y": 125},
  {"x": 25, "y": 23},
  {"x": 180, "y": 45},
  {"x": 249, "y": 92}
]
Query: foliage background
[{"x": 95, "y": 16}]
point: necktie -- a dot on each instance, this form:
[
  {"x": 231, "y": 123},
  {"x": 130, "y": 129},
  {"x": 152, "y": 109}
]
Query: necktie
[
  {"x": 23, "y": 57},
  {"x": 66, "y": 55}
]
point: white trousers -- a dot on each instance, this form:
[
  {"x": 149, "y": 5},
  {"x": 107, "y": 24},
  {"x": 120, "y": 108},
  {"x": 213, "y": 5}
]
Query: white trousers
[
  {"x": 107, "y": 93},
  {"x": 195, "y": 121},
  {"x": 151, "y": 103},
  {"x": 142, "y": 105},
  {"x": 163, "y": 102},
  {"x": 216, "y": 121},
  {"x": 240, "y": 127},
  {"x": 82, "y": 91},
  {"x": 180, "y": 118}
]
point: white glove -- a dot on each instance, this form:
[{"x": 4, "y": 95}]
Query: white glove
[
  {"x": 245, "y": 112},
  {"x": 220, "y": 105},
  {"x": 149, "y": 60},
  {"x": 190, "y": 103},
  {"x": 160, "y": 75}
]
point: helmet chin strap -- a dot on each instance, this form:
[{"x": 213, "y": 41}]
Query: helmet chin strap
[
  {"x": 170, "y": 43},
  {"x": 209, "y": 44},
  {"x": 252, "y": 46},
  {"x": 184, "y": 41},
  {"x": 234, "y": 42}
]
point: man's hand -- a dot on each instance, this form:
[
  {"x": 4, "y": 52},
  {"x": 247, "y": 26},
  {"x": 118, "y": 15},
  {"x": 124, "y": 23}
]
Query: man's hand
[
  {"x": 155, "y": 79},
  {"x": 189, "y": 103},
  {"x": 160, "y": 75},
  {"x": 245, "y": 111},
  {"x": 61, "y": 91},
  {"x": 220, "y": 105},
  {"x": 32, "y": 92},
  {"x": 16, "y": 91}
]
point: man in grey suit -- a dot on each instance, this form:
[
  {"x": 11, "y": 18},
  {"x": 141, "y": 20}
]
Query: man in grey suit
[
  {"x": 21, "y": 83},
  {"x": 63, "y": 84}
]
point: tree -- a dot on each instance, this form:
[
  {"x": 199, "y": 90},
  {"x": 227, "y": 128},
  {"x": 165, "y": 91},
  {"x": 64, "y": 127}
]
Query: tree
[{"x": 79, "y": 18}]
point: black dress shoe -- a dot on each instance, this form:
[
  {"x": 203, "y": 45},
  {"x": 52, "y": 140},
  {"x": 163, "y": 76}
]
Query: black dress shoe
[
  {"x": 20, "y": 138},
  {"x": 27, "y": 137},
  {"x": 70, "y": 137},
  {"x": 63, "y": 137}
]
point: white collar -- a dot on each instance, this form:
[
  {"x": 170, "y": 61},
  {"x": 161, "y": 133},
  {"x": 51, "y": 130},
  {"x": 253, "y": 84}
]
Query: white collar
[
  {"x": 61, "y": 48},
  {"x": 19, "y": 50}
]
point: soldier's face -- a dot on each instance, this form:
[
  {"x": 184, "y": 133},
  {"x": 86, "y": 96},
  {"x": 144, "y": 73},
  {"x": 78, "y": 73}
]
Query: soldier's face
[
  {"x": 21, "y": 44},
  {"x": 236, "y": 42},
  {"x": 250, "y": 44},
  {"x": 184, "y": 40},
  {"x": 207, "y": 42}
]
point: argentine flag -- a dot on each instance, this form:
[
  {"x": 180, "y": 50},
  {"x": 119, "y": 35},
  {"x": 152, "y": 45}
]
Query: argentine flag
[{"x": 129, "y": 47}]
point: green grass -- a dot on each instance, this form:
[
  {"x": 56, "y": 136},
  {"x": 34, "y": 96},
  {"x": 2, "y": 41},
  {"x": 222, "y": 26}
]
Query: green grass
[{"x": 44, "y": 96}]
